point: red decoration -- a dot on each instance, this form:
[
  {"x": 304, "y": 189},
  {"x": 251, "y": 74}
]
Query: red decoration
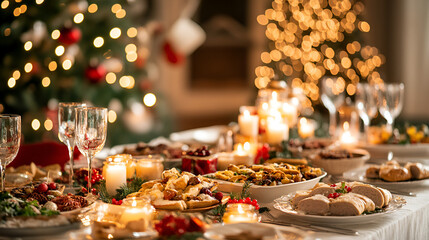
[
  {"x": 140, "y": 62},
  {"x": 171, "y": 55},
  {"x": 95, "y": 74},
  {"x": 69, "y": 36}
]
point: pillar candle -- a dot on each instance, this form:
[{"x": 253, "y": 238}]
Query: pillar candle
[
  {"x": 149, "y": 167},
  {"x": 116, "y": 176},
  {"x": 305, "y": 128},
  {"x": 248, "y": 124},
  {"x": 276, "y": 131}
]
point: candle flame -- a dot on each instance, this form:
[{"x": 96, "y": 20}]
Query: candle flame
[
  {"x": 274, "y": 96},
  {"x": 134, "y": 203},
  {"x": 246, "y": 113},
  {"x": 265, "y": 106},
  {"x": 346, "y": 126},
  {"x": 239, "y": 148},
  {"x": 240, "y": 209},
  {"x": 303, "y": 121},
  {"x": 246, "y": 146}
]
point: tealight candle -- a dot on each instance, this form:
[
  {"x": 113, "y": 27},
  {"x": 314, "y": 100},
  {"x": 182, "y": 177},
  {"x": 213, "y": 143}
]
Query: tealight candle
[
  {"x": 305, "y": 128},
  {"x": 248, "y": 124},
  {"x": 347, "y": 139},
  {"x": 149, "y": 167},
  {"x": 239, "y": 213},
  {"x": 242, "y": 154},
  {"x": 125, "y": 158},
  {"x": 116, "y": 175},
  {"x": 277, "y": 130},
  {"x": 137, "y": 210}
]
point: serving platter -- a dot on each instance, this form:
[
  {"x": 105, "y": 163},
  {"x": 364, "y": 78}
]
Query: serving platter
[
  {"x": 399, "y": 150},
  {"x": 359, "y": 175},
  {"x": 267, "y": 194},
  {"x": 284, "y": 205}
]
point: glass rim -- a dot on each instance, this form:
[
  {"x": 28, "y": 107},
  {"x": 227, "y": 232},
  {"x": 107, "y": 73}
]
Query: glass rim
[
  {"x": 149, "y": 158},
  {"x": 71, "y": 104},
  {"x": 92, "y": 108},
  {"x": 5, "y": 115}
]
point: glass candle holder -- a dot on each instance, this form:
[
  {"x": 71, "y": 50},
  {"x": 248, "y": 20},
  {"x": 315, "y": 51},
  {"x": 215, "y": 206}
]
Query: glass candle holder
[
  {"x": 348, "y": 127},
  {"x": 239, "y": 213},
  {"x": 127, "y": 159},
  {"x": 115, "y": 175},
  {"x": 306, "y": 128},
  {"x": 149, "y": 167}
]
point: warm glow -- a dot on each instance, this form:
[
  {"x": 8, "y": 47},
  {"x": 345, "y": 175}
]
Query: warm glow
[
  {"x": 28, "y": 45},
  {"x": 55, "y": 34},
  {"x": 28, "y": 67},
  {"x": 92, "y": 8},
  {"x": 11, "y": 82},
  {"x": 115, "y": 33},
  {"x": 98, "y": 42},
  {"x": 16, "y": 74},
  {"x": 39, "y": 1},
  {"x": 110, "y": 78},
  {"x": 4, "y": 4},
  {"x": 149, "y": 99},
  {"x": 121, "y": 13},
  {"x": 132, "y": 57},
  {"x": 116, "y": 7},
  {"x": 67, "y": 64},
  {"x": 59, "y": 51},
  {"x": 246, "y": 146},
  {"x": 112, "y": 116},
  {"x": 130, "y": 48},
  {"x": 35, "y": 124},
  {"x": 78, "y": 18},
  {"x": 48, "y": 124},
  {"x": 52, "y": 66},
  {"x": 46, "y": 81},
  {"x": 132, "y": 32}
]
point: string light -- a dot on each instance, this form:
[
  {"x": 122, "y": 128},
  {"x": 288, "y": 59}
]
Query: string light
[
  {"x": 52, "y": 66},
  {"x": 98, "y": 42},
  {"x": 115, "y": 33},
  {"x": 35, "y": 124},
  {"x": 48, "y": 124},
  {"x": 39, "y": 1},
  {"x": 46, "y": 81},
  {"x": 4, "y": 4},
  {"x": 16, "y": 74},
  {"x": 7, "y": 32},
  {"x": 110, "y": 78},
  {"x": 55, "y": 34},
  {"x": 116, "y": 7},
  {"x": 121, "y": 13},
  {"x": 67, "y": 64},
  {"x": 132, "y": 32},
  {"x": 78, "y": 18},
  {"x": 92, "y": 8},
  {"x": 149, "y": 99},
  {"x": 59, "y": 51},
  {"x": 305, "y": 45},
  {"x": 112, "y": 116},
  {"x": 28, "y": 45},
  {"x": 11, "y": 82},
  {"x": 28, "y": 67}
]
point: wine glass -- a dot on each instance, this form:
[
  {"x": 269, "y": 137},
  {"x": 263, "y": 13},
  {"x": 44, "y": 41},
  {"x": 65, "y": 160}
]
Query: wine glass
[
  {"x": 10, "y": 137},
  {"x": 66, "y": 129},
  {"x": 390, "y": 101},
  {"x": 91, "y": 131},
  {"x": 366, "y": 103},
  {"x": 332, "y": 96}
]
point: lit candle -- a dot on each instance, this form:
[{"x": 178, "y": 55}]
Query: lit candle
[
  {"x": 125, "y": 158},
  {"x": 116, "y": 176},
  {"x": 240, "y": 212},
  {"x": 290, "y": 112},
  {"x": 305, "y": 128},
  {"x": 248, "y": 124},
  {"x": 242, "y": 156},
  {"x": 138, "y": 211},
  {"x": 224, "y": 159},
  {"x": 149, "y": 167},
  {"x": 347, "y": 140},
  {"x": 277, "y": 130}
]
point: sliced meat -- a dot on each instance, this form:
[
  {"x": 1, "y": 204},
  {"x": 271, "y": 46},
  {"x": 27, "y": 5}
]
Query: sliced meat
[
  {"x": 322, "y": 189},
  {"x": 315, "y": 205},
  {"x": 387, "y": 196},
  {"x": 369, "y": 204},
  {"x": 299, "y": 196},
  {"x": 371, "y": 192},
  {"x": 347, "y": 205}
]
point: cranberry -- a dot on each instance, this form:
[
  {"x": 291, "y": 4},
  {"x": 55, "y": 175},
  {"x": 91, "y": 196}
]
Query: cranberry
[
  {"x": 206, "y": 191},
  {"x": 43, "y": 187},
  {"x": 52, "y": 186},
  {"x": 84, "y": 190},
  {"x": 241, "y": 201},
  {"x": 219, "y": 196},
  {"x": 248, "y": 200},
  {"x": 331, "y": 195},
  {"x": 86, "y": 178},
  {"x": 93, "y": 181},
  {"x": 94, "y": 191},
  {"x": 204, "y": 148},
  {"x": 334, "y": 185},
  {"x": 348, "y": 189}
]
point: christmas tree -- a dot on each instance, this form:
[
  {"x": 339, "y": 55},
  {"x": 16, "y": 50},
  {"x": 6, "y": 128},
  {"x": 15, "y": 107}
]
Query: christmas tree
[
  {"x": 310, "y": 39},
  {"x": 68, "y": 50}
]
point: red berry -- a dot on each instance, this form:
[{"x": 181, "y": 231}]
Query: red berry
[
  {"x": 241, "y": 201},
  {"x": 120, "y": 202},
  {"x": 219, "y": 196},
  {"x": 86, "y": 178},
  {"x": 248, "y": 200},
  {"x": 84, "y": 190},
  {"x": 334, "y": 185},
  {"x": 331, "y": 195},
  {"x": 254, "y": 201},
  {"x": 43, "y": 187},
  {"x": 348, "y": 189},
  {"x": 52, "y": 186},
  {"x": 93, "y": 181}
]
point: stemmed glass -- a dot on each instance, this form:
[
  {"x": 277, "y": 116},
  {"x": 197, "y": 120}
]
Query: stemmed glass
[
  {"x": 390, "y": 101},
  {"x": 366, "y": 103},
  {"x": 66, "y": 129},
  {"x": 332, "y": 96},
  {"x": 10, "y": 137},
  {"x": 91, "y": 131}
]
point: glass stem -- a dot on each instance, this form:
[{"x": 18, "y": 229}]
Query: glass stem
[
  {"x": 89, "y": 159},
  {"x": 71, "y": 171},
  {"x": 332, "y": 123},
  {"x": 3, "y": 175}
]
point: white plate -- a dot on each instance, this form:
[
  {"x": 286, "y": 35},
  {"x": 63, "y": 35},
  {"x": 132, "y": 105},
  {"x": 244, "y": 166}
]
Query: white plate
[
  {"x": 359, "y": 175},
  {"x": 220, "y": 232},
  {"x": 398, "y": 150},
  {"x": 266, "y": 194},
  {"x": 283, "y": 204}
]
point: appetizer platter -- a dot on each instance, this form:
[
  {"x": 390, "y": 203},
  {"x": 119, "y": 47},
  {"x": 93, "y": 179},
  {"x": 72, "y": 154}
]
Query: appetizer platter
[
  {"x": 337, "y": 161},
  {"x": 268, "y": 181},
  {"x": 308, "y": 147},
  {"x": 344, "y": 202},
  {"x": 181, "y": 191}
]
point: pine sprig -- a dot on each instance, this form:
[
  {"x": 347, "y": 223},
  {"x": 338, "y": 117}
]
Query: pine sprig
[{"x": 131, "y": 186}]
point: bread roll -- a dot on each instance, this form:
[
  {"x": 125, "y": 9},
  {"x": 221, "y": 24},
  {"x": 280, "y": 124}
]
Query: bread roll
[
  {"x": 372, "y": 172},
  {"x": 394, "y": 173},
  {"x": 418, "y": 171}
]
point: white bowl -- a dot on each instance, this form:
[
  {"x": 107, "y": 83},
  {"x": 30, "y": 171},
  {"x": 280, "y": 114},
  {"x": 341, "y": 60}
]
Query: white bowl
[
  {"x": 339, "y": 166},
  {"x": 267, "y": 194},
  {"x": 305, "y": 153}
]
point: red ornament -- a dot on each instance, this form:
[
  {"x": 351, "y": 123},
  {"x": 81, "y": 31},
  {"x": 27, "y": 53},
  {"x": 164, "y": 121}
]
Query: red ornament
[
  {"x": 95, "y": 74},
  {"x": 69, "y": 36},
  {"x": 171, "y": 55}
]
